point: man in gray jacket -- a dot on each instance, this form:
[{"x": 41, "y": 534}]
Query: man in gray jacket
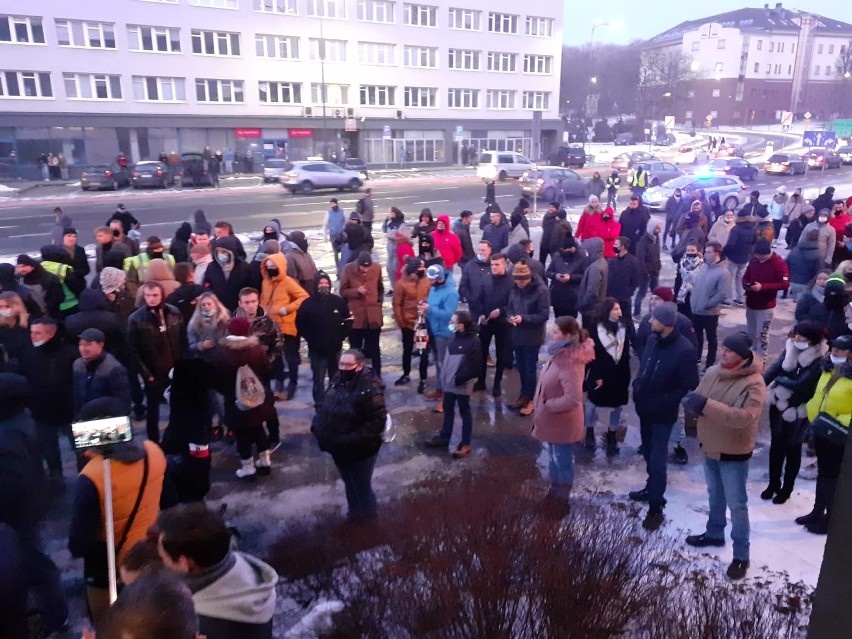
[
  {"x": 710, "y": 287},
  {"x": 366, "y": 210},
  {"x": 594, "y": 283}
]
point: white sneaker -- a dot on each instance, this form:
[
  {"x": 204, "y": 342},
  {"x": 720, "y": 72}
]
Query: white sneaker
[
  {"x": 247, "y": 469},
  {"x": 263, "y": 465}
]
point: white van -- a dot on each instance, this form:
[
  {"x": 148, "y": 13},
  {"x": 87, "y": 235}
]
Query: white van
[{"x": 500, "y": 165}]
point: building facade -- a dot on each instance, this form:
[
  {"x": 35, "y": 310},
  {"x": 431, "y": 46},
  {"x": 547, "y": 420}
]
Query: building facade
[
  {"x": 751, "y": 65},
  {"x": 386, "y": 80}
]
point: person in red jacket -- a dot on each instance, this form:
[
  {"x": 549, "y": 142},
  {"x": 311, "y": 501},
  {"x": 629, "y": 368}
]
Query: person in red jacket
[
  {"x": 446, "y": 242},
  {"x": 604, "y": 226},
  {"x": 765, "y": 275},
  {"x": 839, "y": 220},
  {"x": 404, "y": 251}
]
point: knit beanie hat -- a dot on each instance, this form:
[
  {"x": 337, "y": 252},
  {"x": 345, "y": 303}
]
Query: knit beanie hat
[
  {"x": 664, "y": 293},
  {"x": 69, "y": 230},
  {"x": 521, "y": 271},
  {"x": 270, "y": 247},
  {"x": 665, "y": 314},
  {"x": 112, "y": 279},
  {"x": 154, "y": 244},
  {"x": 740, "y": 343},
  {"x": 26, "y": 260},
  {"x": 238, "y": 327},
  {"x": 810, "y": 330}
]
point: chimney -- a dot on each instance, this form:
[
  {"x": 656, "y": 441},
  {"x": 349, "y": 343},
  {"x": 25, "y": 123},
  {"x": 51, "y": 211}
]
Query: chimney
[
  {"x": 778, "y": 5},
  {"x": 766, "y": 6}
]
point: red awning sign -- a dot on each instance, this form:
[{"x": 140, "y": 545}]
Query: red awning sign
[
  {"x": 247, "y": 133},
  {"x": 300, "y": 133}
]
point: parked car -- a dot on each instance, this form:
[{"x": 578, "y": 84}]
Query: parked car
[
  {"x": 660, "y": 171},
  {"x": 305, "y": 177},
  {"x": 824, "y": 157},
  {"x": 665, "y": 140},
  {"x": 500, "y": 165},
  {"x": 151, "y": 173},
  {"x": 730, "y": 151},
  {"x": 743, "y": 169},
  {"x": 356, "y": 164},
  {"x": 104, "y": 176},
  {"x": 275, "y": 168},
  {"x": 193, "y": 172},
  {"x": 550, "y": 183},
  {"x": 624, "y": 161},
  {"x": 786, "y": 164},
  {"x": 572, "y": 155},
  {"x": 624, "y": 139},
  {"x": 845, "y": 153},
  {"x": 732, "y": 192}
]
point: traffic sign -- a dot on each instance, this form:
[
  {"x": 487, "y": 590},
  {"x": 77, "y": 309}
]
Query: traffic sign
[
  {"x": 827, "y": 139},
  {"x": 786, "y": 118},
  {"x": 843, "y": 128},
  {"x": 386, "y": 132},
  {"x": 808, "y": 115},
  {"x": 669, "y": 122}
]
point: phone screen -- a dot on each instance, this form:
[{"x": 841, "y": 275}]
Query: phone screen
[{"x": 101, "y": 432}]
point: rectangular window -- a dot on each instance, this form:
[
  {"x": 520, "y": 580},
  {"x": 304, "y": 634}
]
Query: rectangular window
[
  {"x": 463, "y": 98},
  {"x": 21, "y": 30},
  {"x": 424, "y": 97},
  {"x": 717, "y": 93},
  {"x": 422, "y": 57},
  {"x": 696, "y": 46},
  {"x": 500, "y": 99},
  {"x": 334, "y": 94},
  {"x": 538, "y": 64},
  {"x": 718, "y": 67},
  {"x": 220, "y": 43},
  {"x": 465, "y": 19},
  {"x": 789, "y": 69},
  {"x": 279, "y": 92},
  {"x": 721, "y": 44},
  {"x": 831, "y": 49},
  {"x": 536, "y": 100},
  {"x": 375, "y": 53},
  {"x": 757, "y": 67},
  {"x": 25, "y": 84},
  {"x": 158, "y": 89},
  {"x": 327, "y": 50},
  {"x": 83, "y": 86},
  {"x": 771, "y": 46},
  {"x": 326, "y": 8},
  {"x": 156, "y": 39},
  {"x": 372, "y": 95},
  {"x": 92, "y": 35},
  {"x": 777, "y": 69},
  {"x": 216, "y": 4},
  {"x": 780, "y": 47},
  {"x": 503, "y": 62},
  {"x": 760, "y": 45},
  {"x": 464, "y": 59},
  {"x": 502, "y": 23},
  {"x": 278, "y": 47},
  {"x": 827, "y": 69},
  {"x": 819, "y": 49},
  {"x": 375, "y": 11},
  {"x": 287, "y": 7},
  {"x": 541, "y": 27},
  {"x": 209, "y": 90},
  {"x": 816, "y": 70},
  {"x": 420, "y": 15}
]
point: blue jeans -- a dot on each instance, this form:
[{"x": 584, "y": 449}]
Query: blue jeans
[
  {"x": 357, "y": 476},
  {"x": 450, "y": 401},
  {"x": 591, "y": 414},
  {"x": 645, "y": 285},
  {"x": 561, "y": 464},
  {"x": 726, "y": 487},
  {"x": 526, "y": 359},
  {"x": 655, "y": 445}
]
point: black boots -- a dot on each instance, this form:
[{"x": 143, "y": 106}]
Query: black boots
[
  {"x": 770, "y": 491},
  {"x": 611, "y": 444},
  {"x": 818, "y": 512}
]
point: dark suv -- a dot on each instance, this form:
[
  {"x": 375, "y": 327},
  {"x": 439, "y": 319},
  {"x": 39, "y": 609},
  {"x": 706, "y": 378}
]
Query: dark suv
[
  {"x": 568, "y": 156},
  {"x": 194, "y": 173}
]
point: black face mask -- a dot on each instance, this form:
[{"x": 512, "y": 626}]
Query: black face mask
[
  {"x": 156, "y": 255},
  {"x": 607, "y": 218},
  {"x": 273, "y": 272},
  {"x": 116, "y": 233},
  {"x": 348, "y": 375},
  {"x": 421, "y": 274}
]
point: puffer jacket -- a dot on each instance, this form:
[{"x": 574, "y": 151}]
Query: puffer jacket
[
  {"x": 607, "y": 230},
  {"x": 324, "y": 321},
  {"x": 443, "y": 299},
  {"x": 667, "y": 373},
  {"x": 837, "y": 402},
  {"x": 279, "y": 292},
  {"x": 727, "y": 427},
  {"x": 804, "y": 261},
  {"x": 103, "y": 377},
  {"x": 349, "y": 422},
  {"x": 792, "y": 379},
  {"x": 532, "y": 303},
  {"x": 228, "y": 357},
  {"x": 447, "y": 243},
  {"x": 594, "y": 283},
  {"x": 461, "y": 363},
  {"x": 367, "y": 308},
  {"x": 407, "y": 294},
  {"x": 741, "y": 241},
  {"x": 93, "y": 313}
]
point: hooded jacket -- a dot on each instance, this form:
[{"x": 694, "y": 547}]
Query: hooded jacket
[
  {"x": 200, "y": 223},
  {"x": 473, "y": 274},
  {"x": 826, "y": 238},
  {"x": 773, "y": 277},
  {"x": 179, "y": 248},
  {"x": 367, "y": 308},
  {"x": 837, "y": 402},
  {"x": 667, "y": 372},
  {"x": 159, "y": 271},
  {"x": 586, "y": 216},
  {"x": 633, "y": 224},
  {"x": 593, "y": 286},
  {"x": 532, "y": 303},
  {"x": 93, "y": 313},
  {"x": 296, "y": 252},
  {"x": 711, "y": 285},
  {"x": 48, "y": 369},
  {"x": 720, "y": 231},
  {"x": 324, "y": 321},
  {"x": 558, "y": 416},
  {"x": 804, "y": 261},
  {"x": 792, "y": 379},
  {"x": 183, "y": 298},
  {"x": 230, "y": 354},
  {"x": 447, "y": 243},
  {"x": 461, "y": 363},
  {"x": 443, "y": 299},
  {"x": 741, "y": 240},
  {"x": 154, "y": 351},
  {"x": 281, "y": 291},
  {"x": 648, "y": 251},
  {"x": 606, "y": 230},
  {"x": 727, "y": 427},
  {"x": 407, "y": 294},
  {"x": 227, "y": 286},
  {"x": 563, "y": 295},
  {"x": 404, "y": 251}
]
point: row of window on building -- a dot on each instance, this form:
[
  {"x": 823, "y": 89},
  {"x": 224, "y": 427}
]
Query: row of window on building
[
  {"x": 820, "y": 48},
  {"x": 87, "y": 86}
]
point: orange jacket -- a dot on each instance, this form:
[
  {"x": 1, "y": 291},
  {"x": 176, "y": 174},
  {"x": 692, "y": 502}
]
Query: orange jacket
[{"x": 279, "y": 292}]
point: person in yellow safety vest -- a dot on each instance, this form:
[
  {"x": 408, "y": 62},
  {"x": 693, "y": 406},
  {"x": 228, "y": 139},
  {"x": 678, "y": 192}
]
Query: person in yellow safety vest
[
  {"x": 639, "y": 181},
  {"x": 136, "y": 266},
  {"x": 54, "y": 259},
  {"x": 613, "y": 183}
]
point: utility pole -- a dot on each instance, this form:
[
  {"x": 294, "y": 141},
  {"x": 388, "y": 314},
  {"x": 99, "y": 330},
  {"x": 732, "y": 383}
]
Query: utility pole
[{"x": 323, "y": 92}]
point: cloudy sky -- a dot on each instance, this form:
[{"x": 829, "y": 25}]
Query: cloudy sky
[{"x": 645, "y": 19}]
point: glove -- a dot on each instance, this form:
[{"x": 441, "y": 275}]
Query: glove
[
  {"x": 282, "y": 311},
  {"x": 694, "y": 403}
]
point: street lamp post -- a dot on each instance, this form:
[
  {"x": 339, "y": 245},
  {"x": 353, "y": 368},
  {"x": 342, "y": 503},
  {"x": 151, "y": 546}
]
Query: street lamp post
[{"x": 323, "y": 91}]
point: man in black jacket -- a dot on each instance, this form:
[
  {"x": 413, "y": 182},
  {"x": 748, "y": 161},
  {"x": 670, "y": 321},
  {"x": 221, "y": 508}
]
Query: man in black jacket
[
  {"x": 825, "y": 200},
  {"x": 548, "y": 226},
  {"x": 324, "y": 321},
  {"x": 97, "y": 373},
  {"x": 46, "y": 285},
  {"x": 634, "y": 221},
  {"x": 48, "y": 368},
  {"x": 623, "y": 280},
  {"x": 648, "y": 254},
  {"x": 228, "y": 273},
  {"x": 493, "y": 322},
  {"x": 473, "y": 276},
  {"x": 462, "y": 229},
  {"x": 667, "y": 372},
  {"x": 79, "y": 260}
]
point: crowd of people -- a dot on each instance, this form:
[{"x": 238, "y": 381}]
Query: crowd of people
[{"x": 215, "y": 330}]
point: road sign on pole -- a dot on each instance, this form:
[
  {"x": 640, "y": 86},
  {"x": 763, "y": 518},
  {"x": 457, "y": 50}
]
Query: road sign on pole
[
  {"x": 843, "y": 128},
  {"x": 386, "y": 132},
  {"x": 786, "y": 118},
  {"x": 827, "y": 139},
  {"x": 669, "y": 122}
]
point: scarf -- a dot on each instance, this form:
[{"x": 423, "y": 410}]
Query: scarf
[{"x": 555, "y": 346}]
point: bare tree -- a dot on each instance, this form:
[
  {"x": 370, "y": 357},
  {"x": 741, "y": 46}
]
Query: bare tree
[
  {"x": 841, "y": 95},
  {"x": 665, "y": 77}
]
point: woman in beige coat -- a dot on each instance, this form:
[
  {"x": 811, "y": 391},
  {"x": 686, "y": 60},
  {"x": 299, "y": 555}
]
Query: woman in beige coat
[{"x": 558, "y": 420}]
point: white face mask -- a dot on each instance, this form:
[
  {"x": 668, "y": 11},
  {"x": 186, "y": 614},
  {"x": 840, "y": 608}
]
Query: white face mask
[
  {"x": 801, "y": 345},
  {"x": 452, "y": 327},
  {"x": 6, "y": 312},
  {"x": 837, "y": 360},
  {"x": 40, "y": 342}
]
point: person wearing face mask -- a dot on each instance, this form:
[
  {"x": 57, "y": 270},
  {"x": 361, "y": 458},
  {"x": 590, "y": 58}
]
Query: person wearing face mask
[
  {"x": 460, "y": 367},
  {"x": 634, "y": 220},
  {"x": 613, "y": 183},
  {"x": 348, "y": 425},
  {"x": 14, "y": 333},
  {"x": 721, "y": 228},
  {"x": 687, "y": 269},
  {"x": 592, "y": 208},
  {"x": 228, "y": 273},
  {"x": 46, "y": 285},
  {"x": 797, "y": 226},
  {"x": 447, "y": 243},
  {"x": 826, "y": 236},
  {"x": 833, "y": 396},
  {"x": 672, "y": 210},
  {"x": 119, "y": 235},
  {"x": 565, "y": 274},
  {"x": 412, "y": 289},
  {"x": 604, "y": 226},
  {"x": 791, "y": 381},
  {"x": 155, "y": 340},
  {"x": 836, "y": 304},
  {"x": 324, "y": 321},
  {"x": 811, "y": 303},
  {"x": 208, "y": 324},
  {"x": 840, "y": 220},
  {"x": 624, "y": 277},
  {"x": 473, "y": 274},
  {"x": 804, "y": 262},
  {"x": 766, "y": 275},
  {"x": 439, "y": 308},
  {"x": 825, "y": 200},
  {"x": 137, "y": 266}
]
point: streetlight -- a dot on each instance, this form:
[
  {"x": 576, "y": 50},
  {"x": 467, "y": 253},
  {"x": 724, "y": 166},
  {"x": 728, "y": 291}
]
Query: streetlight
[{"x": 594, "y": 79}]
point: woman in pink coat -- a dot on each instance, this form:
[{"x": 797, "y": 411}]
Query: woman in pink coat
[{"x": 558, "y": 420}]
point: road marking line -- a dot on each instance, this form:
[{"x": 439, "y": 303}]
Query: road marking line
[
  {"x": 12, "y": 237},
  {"x": 433, "y": 202}
]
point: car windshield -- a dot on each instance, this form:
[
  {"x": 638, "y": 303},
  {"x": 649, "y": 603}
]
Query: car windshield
[
  {"x": 95, "y": 168},
  {"x": 276, "y": 164},
  {"x": 486, "y": 158},
  {"x": 720, "y": 163},
  {"x": 779, "y": 158},
  {"x": 147, "y": 165}
]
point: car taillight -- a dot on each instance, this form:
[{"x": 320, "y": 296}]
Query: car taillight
[
  {"x": 293, "y": 175},
  {"x": 159, "y": 172},
  {"x": 135, "y": 174},
  {"x": 107, "y": 173},
  {"x": 785, "y": 164},
  {"x": 743, "y": 187},
  {"x": 539, "y": 181}
]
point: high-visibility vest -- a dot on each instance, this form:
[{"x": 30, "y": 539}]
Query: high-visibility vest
[
  {"x": 613, "y": 182},
  {"x": 640, "y": 179},
  {"x": 140, "y": 262},
  {"x": 61, "y": 271}
]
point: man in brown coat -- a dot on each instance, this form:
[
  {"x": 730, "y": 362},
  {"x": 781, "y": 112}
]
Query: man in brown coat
[
  {"x": 410, "y": 291},
  {"x": 728, "y": 403},
  {"x": 361, "y": 286}
]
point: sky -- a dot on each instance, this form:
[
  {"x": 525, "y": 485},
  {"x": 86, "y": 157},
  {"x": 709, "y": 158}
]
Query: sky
[{"x": 645, "y": 19}]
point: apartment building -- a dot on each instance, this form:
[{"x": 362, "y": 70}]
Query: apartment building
[{"x": 298, "y": 77}]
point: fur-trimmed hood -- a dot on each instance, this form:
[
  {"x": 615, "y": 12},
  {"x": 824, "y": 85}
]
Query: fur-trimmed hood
[{"x": 236, "y": 343}]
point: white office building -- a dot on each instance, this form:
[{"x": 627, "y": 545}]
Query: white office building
[{"x": 91, "y": 79}]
